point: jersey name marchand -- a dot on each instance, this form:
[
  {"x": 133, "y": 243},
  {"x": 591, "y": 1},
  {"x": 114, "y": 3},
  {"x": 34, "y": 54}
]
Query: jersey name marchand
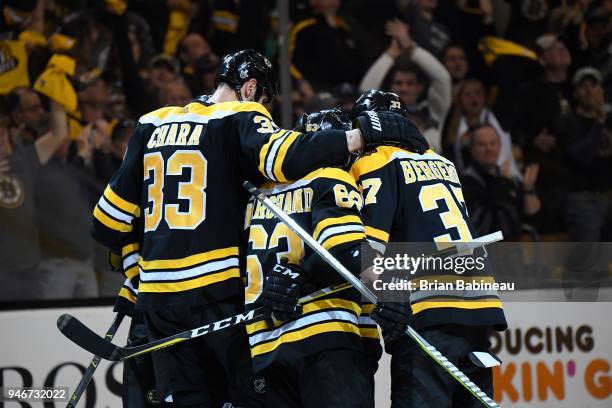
[{"x": 326, "y": 204}]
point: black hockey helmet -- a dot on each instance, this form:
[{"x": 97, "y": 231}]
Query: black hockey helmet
[
  {"x": 375, "y": 100},
  {"x": 327, "y": 119},
  {"x": 237, "y": 68}
]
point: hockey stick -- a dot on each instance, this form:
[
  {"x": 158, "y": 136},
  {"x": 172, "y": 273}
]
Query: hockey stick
[
  {"x": 367, "y": 293},
  {"x": 87, "y": 339},
  {"x": 88, "y": 374}
]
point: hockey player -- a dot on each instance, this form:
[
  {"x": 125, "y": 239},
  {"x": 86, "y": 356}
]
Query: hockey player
[
  {"x": 313, "y": 355},
  {"x": 417, "y": 198},
  {"x": 368, "y": 329},
  {"x": 182, "y": 176},
  {"x": 138, "y": 375}
]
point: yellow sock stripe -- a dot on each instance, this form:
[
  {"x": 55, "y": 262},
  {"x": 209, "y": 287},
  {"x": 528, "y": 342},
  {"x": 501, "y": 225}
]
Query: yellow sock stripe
[
  {"x": 333, "y": 221},
  {"x": 163, "y": 287},
  {"x": 188, "y": 261},
  {"x": 111, "y": 223},
  {"x": 376, "y": 233},
  {"x": 302, "y": 334},
  {"x": 336, "y": 240},
  {"x": 459, "y": 304},
  {"x": 280, "y": 156},
  {"x": 121, "y": 203}
]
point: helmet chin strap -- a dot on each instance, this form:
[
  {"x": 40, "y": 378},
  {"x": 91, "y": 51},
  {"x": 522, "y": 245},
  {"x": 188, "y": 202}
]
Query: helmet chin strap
[{"x": 239, "y": 93}]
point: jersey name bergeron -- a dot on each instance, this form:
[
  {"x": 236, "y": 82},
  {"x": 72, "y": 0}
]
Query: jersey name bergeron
[{"x": 425, "y": 170}]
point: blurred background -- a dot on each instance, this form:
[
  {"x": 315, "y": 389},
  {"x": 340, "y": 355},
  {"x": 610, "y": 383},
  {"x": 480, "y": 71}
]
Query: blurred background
[{"x": 516, "y": 93}]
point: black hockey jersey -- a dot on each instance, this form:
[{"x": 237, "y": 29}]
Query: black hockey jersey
[
  {"x": 182, "y": 177},
  {"x": 326, "y": 204},
  {"x": 417, "y": 198}
]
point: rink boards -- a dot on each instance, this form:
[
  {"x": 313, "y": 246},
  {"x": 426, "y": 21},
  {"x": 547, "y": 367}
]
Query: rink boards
[{"x": 555, "y": 355}]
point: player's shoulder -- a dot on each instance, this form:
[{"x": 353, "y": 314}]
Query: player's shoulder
[
  {"x": 233, "y": 107},
  {"x": 199, "y": 112},
  {"x": 158, "y": 116},
  {"x": 330, "y": 175},
  {"x": 383, "y": 156}
]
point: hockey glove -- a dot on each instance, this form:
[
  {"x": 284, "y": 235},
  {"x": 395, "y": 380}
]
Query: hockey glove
[
  {"x": 282, "y": 291},
  {"x": 388, "y": 128},
  {"x": 393, "y": 318}
]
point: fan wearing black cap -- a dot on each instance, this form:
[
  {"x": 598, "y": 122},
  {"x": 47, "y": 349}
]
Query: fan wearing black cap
[
  {"x": 588, "y": 148},
  {"x": 178, "y": 194}
]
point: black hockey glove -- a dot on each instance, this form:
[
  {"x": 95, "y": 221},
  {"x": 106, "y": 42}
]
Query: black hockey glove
[
  {"x": 282, "y": 291},
  {"x": 393, "y": 318},
  {"x": 388, "y": 128}
]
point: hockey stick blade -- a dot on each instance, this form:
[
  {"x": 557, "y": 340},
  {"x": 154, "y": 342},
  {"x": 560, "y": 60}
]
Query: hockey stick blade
[
  {"x": 483, "y": 359},
  {"x": 85, "y": 338}
]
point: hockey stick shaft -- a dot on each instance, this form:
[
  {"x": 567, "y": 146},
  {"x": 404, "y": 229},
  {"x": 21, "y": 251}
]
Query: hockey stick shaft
[
  {"x": 93, "y": 365},
  {"x": 85, "y": 338},
  {"x": 367, "y": 293}
]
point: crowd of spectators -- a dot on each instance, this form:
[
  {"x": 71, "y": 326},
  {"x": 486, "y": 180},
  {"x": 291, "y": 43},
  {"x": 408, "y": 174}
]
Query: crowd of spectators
[{"x": 516, "y": 93}]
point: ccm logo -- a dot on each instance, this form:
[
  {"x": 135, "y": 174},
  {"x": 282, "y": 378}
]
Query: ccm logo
[
  {"x": 286, "y": 271},
  {"x": 375, "y": 120}
]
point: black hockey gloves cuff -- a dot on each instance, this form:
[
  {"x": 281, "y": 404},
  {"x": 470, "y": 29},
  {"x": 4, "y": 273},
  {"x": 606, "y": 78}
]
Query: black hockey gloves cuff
[{"x": 388, "y": 128}]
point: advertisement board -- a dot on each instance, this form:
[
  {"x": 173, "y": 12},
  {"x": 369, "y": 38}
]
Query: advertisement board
[{"x": 555, "y": 355}]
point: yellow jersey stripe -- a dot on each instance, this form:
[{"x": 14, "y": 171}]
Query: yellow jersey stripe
[
  {"x": 376, "y": 233},
  {"x": 132, "y": 272},
  {"x": 109, "y": 222},
  {"x": 331, "y": 173},
  {"x": 310, "y": 307},
  {"x": 346, "y": 219},
  {"x": 305, "y": 333},
  {"x": 376, "y": 160},
  {"x": 162, "y": 287},
  {"x": 370, "y": 332},
  {"x": 336, "y": 240},
  {"x": 367, "y": 308},
  {"x": 280, "y": 156},
  {"x": 188, "y": 261},
  {"x": 263, "y": 153},
  {"x": 121, "y": 203},
  {"x": 196, "y": 108},
  {"x": 470, "y": 305},
  {"x": 126, "y": 294},
  {"x": 129, "y": 248}
]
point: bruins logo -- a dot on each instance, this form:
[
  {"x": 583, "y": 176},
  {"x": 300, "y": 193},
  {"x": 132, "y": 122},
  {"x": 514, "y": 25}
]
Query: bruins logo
[
  {"x": 8, "y": 61},
  {"x": 11, "y": 191}
]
